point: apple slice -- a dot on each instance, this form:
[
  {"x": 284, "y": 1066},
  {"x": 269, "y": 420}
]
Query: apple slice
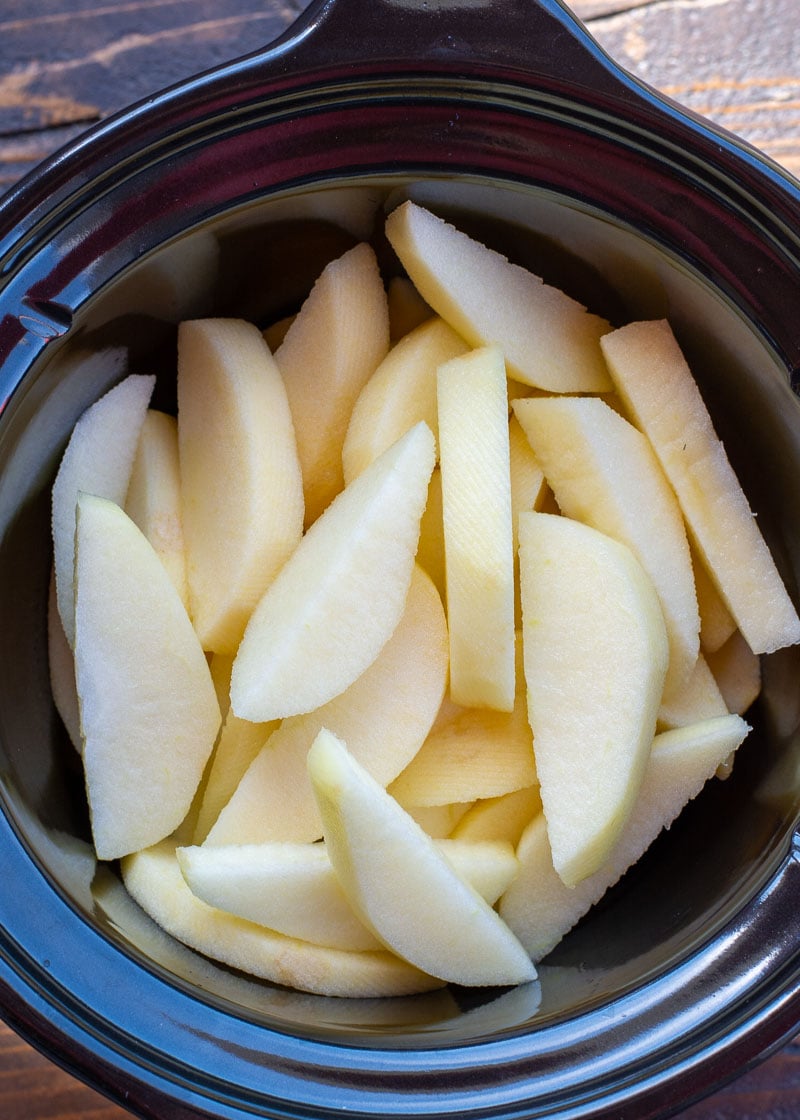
[
  {"x": 149, "y": 712},
  {"x": 98, "y": 460},
  {"x": 384, "y": 715},
  {"x": 737, "y": 672},
  {"x": 292, "y": 888},
  {"x": 471, "y": 753},
  {"x": 335, "y": 344},
  {"x": 540, "y": 908},
  {"x": 595, "y": 650},
  {"x": 153, "y": 500},
  {"x": 154, "y": 880},
  {"x": 439, "y": 821},
  {"x": 242, "y": 502},
  {"x": 717, "y": 624},
  {"x": 430, "y": 552},
  {"x": 400, "y": 884},
  {"x": 699, "y": 699},
  {"x": 400, "y": 393},
  {"x": 239, "y": 743},
  {"x": 478, "y": 532},
  {"x": 549, "y": 340},
  {"x": 337, "y": 600},
  {"x": 604, "y": 473},
  {"x": 658, "y": 389},
  {"x": 500, "y": 818}
]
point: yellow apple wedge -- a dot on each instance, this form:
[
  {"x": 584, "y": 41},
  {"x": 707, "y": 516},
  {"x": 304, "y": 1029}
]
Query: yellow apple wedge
[
  {"x": 154, "y": 880},
  {"x": 604, "y": 473},
  {"x": 239, "y": 743},
  {"x": 149, "y": 712},
  {"x": 153, "y": 499},
  {"x": 540, "y": 908},
  {"x": 337, "y": 600},
  {"x": 471, "y": 753},
  {"x": 478, "y": 532},
  {"x": 334, "y": 345},
  {"x": 500, "y": 818},
  {"x": 401, "y": 392},
  {"x": 400, "y": 884},
  {"x": 439, "y": 821},
  {"x": 98, "y": 460},
  {"x": 658, "y": 389},
  {"x": 241, "y": 490},
  {"x": 292, "y": 888},
  {"x": 595, "y": 652},
  {"x": 400, "y": 693},
  {"x": 549, "y": 339}
]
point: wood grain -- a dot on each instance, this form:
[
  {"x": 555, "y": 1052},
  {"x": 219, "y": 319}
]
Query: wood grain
[{"x": 65, "y": 65}]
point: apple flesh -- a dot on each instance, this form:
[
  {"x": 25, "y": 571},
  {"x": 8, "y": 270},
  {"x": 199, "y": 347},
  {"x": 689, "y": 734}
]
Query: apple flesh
[
  {"x": 149, "y": 712},
  {"x": 595, "y": 653}
]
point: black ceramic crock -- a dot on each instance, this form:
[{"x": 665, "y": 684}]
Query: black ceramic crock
[{"x": 226, "y": 195}]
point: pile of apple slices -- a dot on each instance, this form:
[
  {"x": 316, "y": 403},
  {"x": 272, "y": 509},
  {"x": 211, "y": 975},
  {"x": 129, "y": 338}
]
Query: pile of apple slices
[{"x": 393, "y": 650}]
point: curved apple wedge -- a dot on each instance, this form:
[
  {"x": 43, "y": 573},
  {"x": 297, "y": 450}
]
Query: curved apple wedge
[
  {"x": 337, "y": 600},
  {"x": 400, "y": 883},
  {"x": 595, "y": 652},
  {"x": 149, "y": 711}
]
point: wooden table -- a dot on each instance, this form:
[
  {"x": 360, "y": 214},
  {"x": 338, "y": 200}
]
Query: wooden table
[{"x": 737, "y": 61}]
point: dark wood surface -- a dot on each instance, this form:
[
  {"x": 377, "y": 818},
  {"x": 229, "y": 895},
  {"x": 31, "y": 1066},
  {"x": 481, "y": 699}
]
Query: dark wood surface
[{"x": 74, "y": 62}]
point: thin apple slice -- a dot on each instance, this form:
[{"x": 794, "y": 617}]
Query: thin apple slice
[
  {"x": 471, "y": 753},
  {"x": 153, "y": 499},
  {"x": 338, "y": 599},
  {"x": 717, "y": 624},
  {"x": 478, "y": 532},
  {"x": 657, "y": 387},
  {"x": 540, "y": 908},
  {"x": 439, "y": 821},
  {"x": 334, "y": 345},
  {"x": 97, "y": 460},
  {"x": 400, "y": 393},
  {"x": 604, "y": 473},
  {"x": 292, "y": 888},
  {"x": 400, "y": 884},
  {"x": 239, "y": 743},
  {"x": 149, "y": 712},
  {"x": 737, "y": 672},
  {"x": 154, "y": 880},
  {"x": 241, "y": 490},
  {"x": 549, "y": 340},
  {"x": 400, "y": 693},
  {"x": 699, "y": 699},
  {"x": 595, "y": 651},
  {"x": 500, "y": 818}
]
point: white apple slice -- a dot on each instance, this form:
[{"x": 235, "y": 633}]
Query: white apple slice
[
  {"x": 149, "y": 713},
  {"x": 400, "y": 884},
  {"x": 239, "y": 743},
  {"x": 540, "y": 908},
  {"x": 471, "y": 753},
  {"x": 153, "y": 499},
  {"x": 717, "y": 624},
  {"x": 500, "y": 818},
  {"x": 97, "y": 460},
  {"x": 604, "y": 473},
  {"x": 400, "y": 393},
  {"x": 154, "y": 880},
  {"x": 439, "y": 821},
  {"x": 241, "y": 490},
  {"x": 658, "y": 389},
  {"x": 335, "y": 344},
  {"x": 737, "y": 672},
  {"x": 384, "y": 715},
  {"x": 292, "y": 888},
  {"x": 699, "y": 699},
  {"x": 337, "y": 600},
  {"x": 549, "y": 340},
  {"x": 478, "y": 532},
  {"x": 595, "y": 650}
]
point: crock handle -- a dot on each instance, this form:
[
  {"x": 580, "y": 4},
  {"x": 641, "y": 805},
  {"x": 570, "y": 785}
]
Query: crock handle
[{"x": 535, "y": 37}]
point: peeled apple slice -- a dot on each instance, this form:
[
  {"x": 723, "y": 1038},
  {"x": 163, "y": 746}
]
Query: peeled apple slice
[
  {"x": 337, "y": 600},
  {"x": 595, "y": 652},
  {"x": 97, "y": 460},
  {"x": 657, "y": 386},
  {"x": 154, "y": 880},
  {"x": 400, "y": 884},
  {"x": 549, "y": 340},
  {"x": 540, "y": 908},
  {"x": 241, "y": 489},
  {"x": 149, "y": 711}
]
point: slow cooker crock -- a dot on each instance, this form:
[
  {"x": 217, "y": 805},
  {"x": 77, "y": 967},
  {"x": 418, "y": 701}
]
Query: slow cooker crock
[{"x": 226, "y": 195}]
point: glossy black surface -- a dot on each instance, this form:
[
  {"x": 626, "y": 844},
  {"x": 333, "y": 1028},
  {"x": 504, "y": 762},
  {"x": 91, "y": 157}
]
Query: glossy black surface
[{"x": 507, "y": 117}]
